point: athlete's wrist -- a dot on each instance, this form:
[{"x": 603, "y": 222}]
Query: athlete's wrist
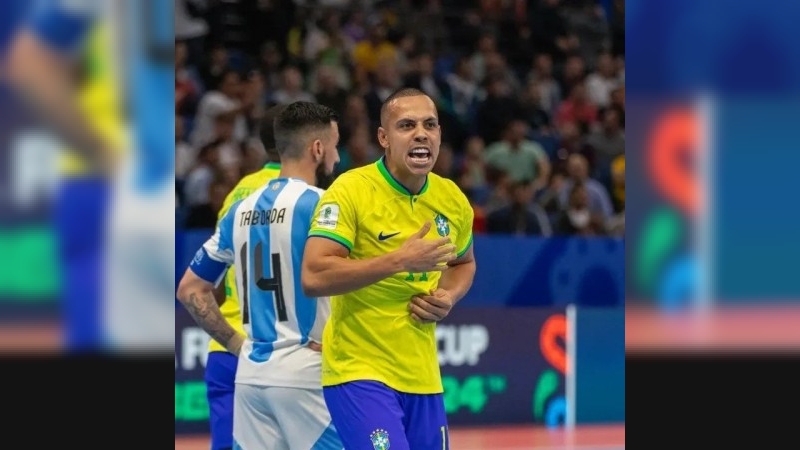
[
  {"x": 395, "y": 262},
  {"x": 234, "y": 344}
]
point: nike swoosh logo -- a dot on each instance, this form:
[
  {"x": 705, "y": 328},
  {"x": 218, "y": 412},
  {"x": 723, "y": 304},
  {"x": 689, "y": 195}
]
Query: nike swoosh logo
[{"x": 383, "y": 237}]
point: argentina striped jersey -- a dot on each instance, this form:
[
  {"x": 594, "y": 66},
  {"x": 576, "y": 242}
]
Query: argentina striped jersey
[{"x": 263, "y": 236}]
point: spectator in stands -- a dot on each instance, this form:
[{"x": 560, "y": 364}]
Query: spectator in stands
[
  {"x": 215, "y": 67},
  {"x": 185, "y": 154},
  {"x": 444, "y": 166},
  {"x": 204, "y": 215},
  {"x": 607, "y": 143},
  {"x": 205, "y": 171},
  {"x": 472, "y": 174},
  {"x": 571, "y": 142},
  {"x": 598, "y": 200},
  {"x": 520, "y": 157},
  {"x": 496, "y": 110},
  {"x": 486, "y": 45},
  {"x": 292, "y": 88},
  {"x": 407, "y": 48},
  {"x": 269, "y": 63},
  {"x": 464, "y": 90},
  {"x": 329, "y": 91},
  {"x": 227, "y": 97},
  {"x": 327, "y": 46},
  {"x": 619, "y": 63},
  {"x": 618, "y": 184},
  {"x": 522, "y": 217},
  {"x": 358, "y": 150},
  {"x": 616, "y": 224},
  {"x": 587, "y": 21},
  {"x": 617, "y": 24},
  {"x": 355, "y": 25},
  {"x": 577, "y": 109},
  {"x": 548, "y": 198},
  {"x": 422, "y": 77},
  {"x": 188, "y": 87},
  {"x": 550, "y": 31},
  {"x": 369, "y": 53},
  {"x": 354, "y": 116},
  {"x": 190, "y": 27},
  {"x": 495, "y": 65},
  {"x": 537, "y": 118},
  {"x": 618, "y": 101},
  {"x": 229, "y": 149},
  {"x": 577, "y": 218},
  {"x": 499, "y": 183},
  {"x": 602, "y": 81},
  {"x": 573, "y": 73},
  {"x": 387, "y": 80},
  {"x": 550, "y": 89}
]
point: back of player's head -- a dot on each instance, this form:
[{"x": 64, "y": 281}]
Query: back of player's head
[
  {"x": 300, "y": 123},
  {"x": 402, "y": 92},
  {"x": 266, "y": 131}
]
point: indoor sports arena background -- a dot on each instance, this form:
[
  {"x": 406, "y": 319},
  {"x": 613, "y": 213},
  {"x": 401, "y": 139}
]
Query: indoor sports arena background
[{"x": 538, "y": 342}]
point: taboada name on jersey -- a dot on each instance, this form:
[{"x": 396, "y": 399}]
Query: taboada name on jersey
[{"x": 261, "y": 217}]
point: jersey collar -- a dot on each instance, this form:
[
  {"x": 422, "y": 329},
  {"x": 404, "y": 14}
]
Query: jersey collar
[
  {"x": 272, "y": 165},
  {"x": 381, "y": 163}
]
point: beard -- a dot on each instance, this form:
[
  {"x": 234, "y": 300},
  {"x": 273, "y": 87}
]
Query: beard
[{"x": 324, "y": 180}]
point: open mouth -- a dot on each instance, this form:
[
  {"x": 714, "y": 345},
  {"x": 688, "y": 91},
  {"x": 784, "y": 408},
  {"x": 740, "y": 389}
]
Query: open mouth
[{"x": 420, "y": 155}]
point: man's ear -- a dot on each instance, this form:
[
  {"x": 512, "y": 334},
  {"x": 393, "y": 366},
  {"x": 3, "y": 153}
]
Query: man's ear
[
  {"x": 316, "y": 150},
  {"x": 382, "y": 138}
]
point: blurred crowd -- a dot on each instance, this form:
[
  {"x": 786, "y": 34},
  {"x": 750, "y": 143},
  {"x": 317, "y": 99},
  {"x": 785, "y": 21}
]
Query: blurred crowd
[{"x": 531, "y": 97}]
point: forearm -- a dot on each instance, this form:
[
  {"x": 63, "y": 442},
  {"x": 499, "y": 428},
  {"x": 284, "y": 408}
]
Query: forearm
[
  {"x": 202, "y": 306},
  {"x": 44, "y": 84},
  {"x": 335, "y": 275},
  {"x": 458, "y": 279}
]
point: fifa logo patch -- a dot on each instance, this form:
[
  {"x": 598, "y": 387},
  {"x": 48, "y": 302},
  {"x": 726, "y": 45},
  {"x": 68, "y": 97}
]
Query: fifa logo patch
[
  {"x": 380, "y": 439},
  {"x": 328, "y": 216},
  {"x": 442, "y": 226}
]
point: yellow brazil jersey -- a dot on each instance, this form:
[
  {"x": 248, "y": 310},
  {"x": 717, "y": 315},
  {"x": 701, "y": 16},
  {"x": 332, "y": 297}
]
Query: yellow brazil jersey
[
  {"x": 98, "y": 97},
  {"x": 370, "y": 334},
  {"x": 246, "y": 186}
]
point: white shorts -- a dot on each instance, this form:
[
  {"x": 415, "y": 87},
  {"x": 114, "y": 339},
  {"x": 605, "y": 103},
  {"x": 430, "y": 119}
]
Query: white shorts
[{"x": 282, "y": 418}]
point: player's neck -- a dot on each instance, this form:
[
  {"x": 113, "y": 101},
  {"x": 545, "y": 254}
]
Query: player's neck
[
  {"x": 298, "y": 169},
  {"x": 410, "y": 181}
]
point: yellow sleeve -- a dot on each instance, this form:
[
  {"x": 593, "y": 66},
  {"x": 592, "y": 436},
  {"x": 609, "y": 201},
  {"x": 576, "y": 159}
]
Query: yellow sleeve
[
  {"x": 226, "y": 205},
  {"x": 336, "y": 215}
]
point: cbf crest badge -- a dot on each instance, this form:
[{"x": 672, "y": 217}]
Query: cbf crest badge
[
  {"x": 380, "y": 439},
  {"x": 442, "y": 226}
]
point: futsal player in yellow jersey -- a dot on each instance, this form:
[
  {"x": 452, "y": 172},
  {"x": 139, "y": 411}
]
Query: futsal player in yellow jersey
[
  {"x": 220, "y": 373},
  {"x": 392, "y": 244}
]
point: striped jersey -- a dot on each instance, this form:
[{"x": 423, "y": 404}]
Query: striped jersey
[
  {"x": 264, "y": 237},
  {"x": 246, "y": 186}
]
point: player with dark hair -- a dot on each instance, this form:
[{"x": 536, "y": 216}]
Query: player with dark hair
[
  {"x": 392, "y": 244},
  {"x": 278, "y": 400}
]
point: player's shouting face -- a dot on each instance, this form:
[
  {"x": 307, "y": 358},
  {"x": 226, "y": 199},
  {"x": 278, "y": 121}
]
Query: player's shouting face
[{"x": 411, "y": 135}]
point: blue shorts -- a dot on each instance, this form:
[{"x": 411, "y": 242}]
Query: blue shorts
[
  {"x": 220, "y": 380},
  {"x": 80, "y": 218},
  {"x": 372, "y": 416}
]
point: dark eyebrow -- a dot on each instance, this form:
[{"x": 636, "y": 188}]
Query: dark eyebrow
[{"x": 407, "y": 119}]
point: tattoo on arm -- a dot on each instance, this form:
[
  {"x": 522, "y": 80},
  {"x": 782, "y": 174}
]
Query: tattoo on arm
[{"x": 204, "y": 310}]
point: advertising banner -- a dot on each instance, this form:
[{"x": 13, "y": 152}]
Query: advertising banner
[{"x": 499, "y": 365}]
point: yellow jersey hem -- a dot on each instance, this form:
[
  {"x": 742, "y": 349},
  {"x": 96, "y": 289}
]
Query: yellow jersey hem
[{"x": 416, "y": 390}]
